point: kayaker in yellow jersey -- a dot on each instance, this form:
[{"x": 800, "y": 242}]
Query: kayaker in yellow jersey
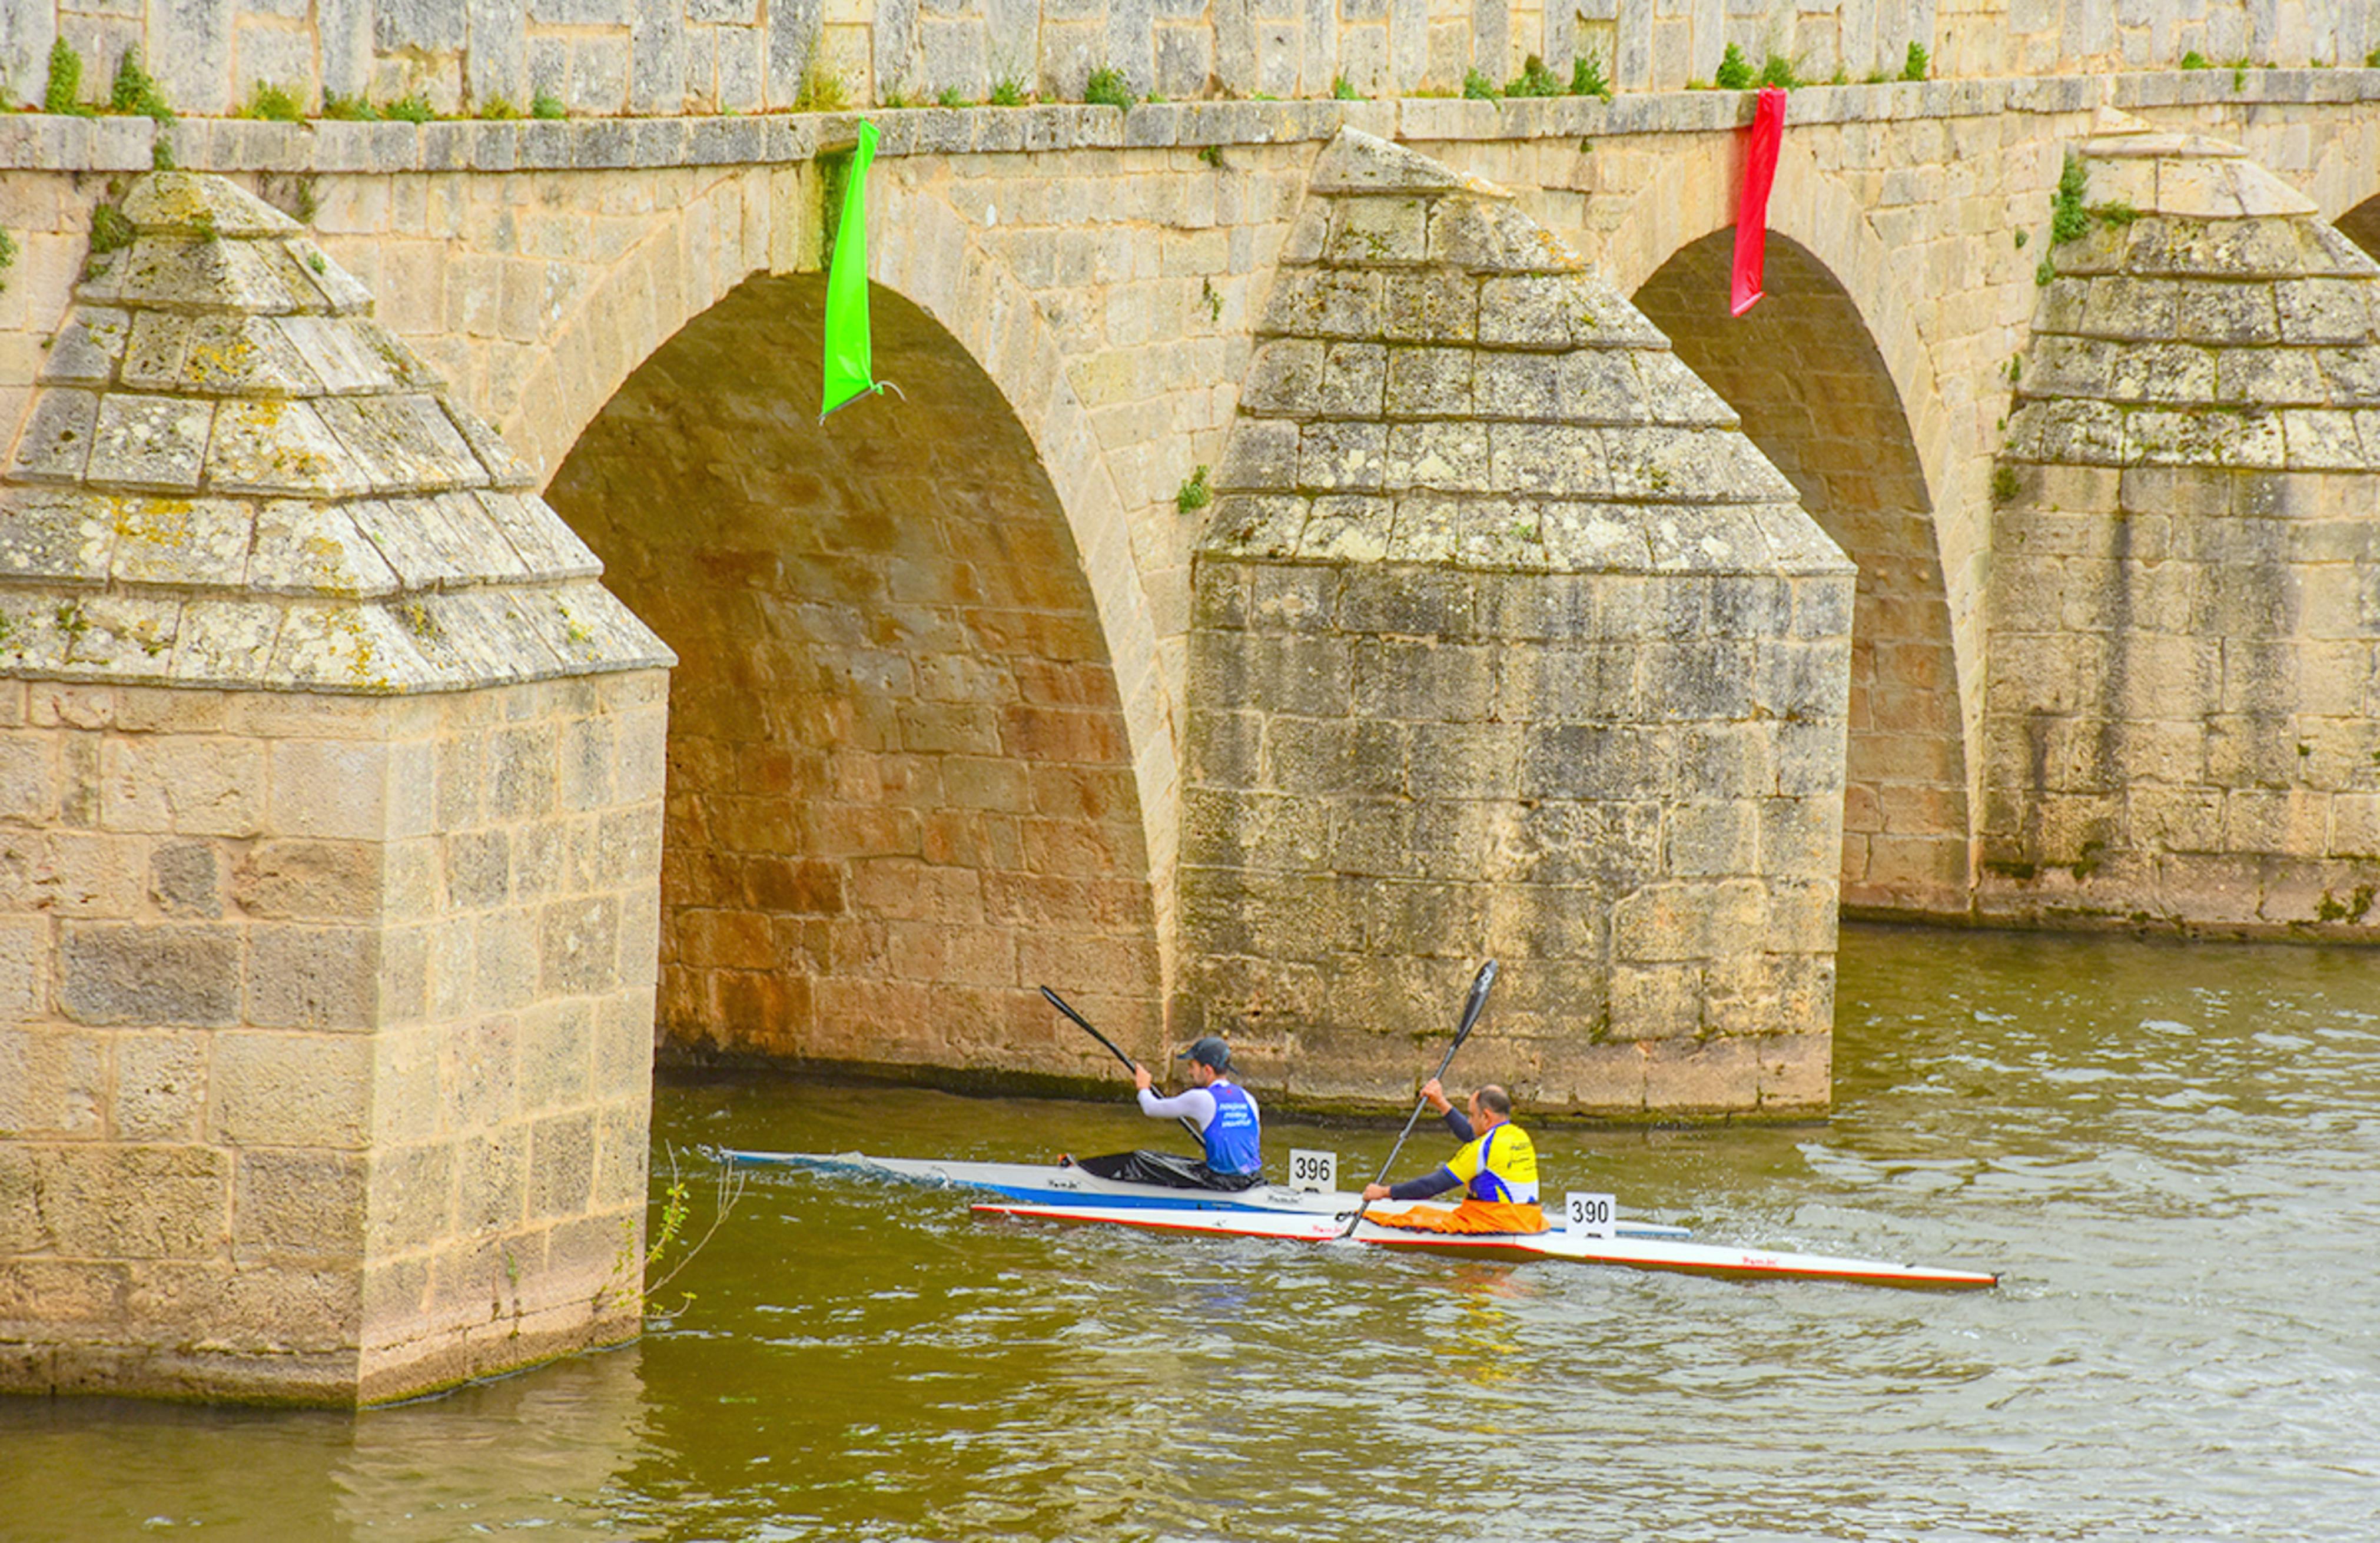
[{"x": 1497, "y": 1170}]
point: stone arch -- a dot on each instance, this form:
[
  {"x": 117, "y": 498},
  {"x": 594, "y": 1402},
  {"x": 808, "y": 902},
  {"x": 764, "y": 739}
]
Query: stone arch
[
  {"x": 752, "y": 222},
  {"x": 1816, "y": 396},
  {"x": 901, "y": 793}
]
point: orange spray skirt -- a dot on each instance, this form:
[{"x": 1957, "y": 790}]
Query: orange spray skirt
[{"x": 1471, "y": 1216}]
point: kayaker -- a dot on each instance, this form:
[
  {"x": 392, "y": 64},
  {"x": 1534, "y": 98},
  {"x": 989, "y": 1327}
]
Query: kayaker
[
  {"x": 1225, "y": 1115},
  {"x": 1497, "y": 1170}
]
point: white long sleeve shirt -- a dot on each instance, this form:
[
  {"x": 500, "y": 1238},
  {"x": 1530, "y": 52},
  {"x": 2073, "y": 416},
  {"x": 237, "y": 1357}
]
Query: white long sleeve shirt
[{"x": 1195, "y": 1103}]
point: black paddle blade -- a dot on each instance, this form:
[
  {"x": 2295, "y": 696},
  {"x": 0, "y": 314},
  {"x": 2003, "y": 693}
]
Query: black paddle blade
[{"x": 1481, "y": 984}]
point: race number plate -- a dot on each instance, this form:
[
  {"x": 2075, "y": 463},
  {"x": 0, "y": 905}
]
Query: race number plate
[
  {"x": 1586, "y": 1215},
  {"x": 1316, "y": 1171}
]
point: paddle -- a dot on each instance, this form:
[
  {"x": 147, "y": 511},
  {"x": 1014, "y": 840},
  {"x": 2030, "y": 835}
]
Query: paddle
[
  {"x": 1129, "y": 1063},
  {"x": 1480, "y": 985}
]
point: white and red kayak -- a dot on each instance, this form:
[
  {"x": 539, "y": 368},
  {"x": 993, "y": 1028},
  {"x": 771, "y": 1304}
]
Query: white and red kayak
[
  {"x": 1069, "y": 1187},
  {"x": 1636, "y": 1253}
]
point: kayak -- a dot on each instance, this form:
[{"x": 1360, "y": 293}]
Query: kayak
[
  {"x": 1071, "y": 1188},
  {"x": 1053, "y": 1193},
  {"x": 1632, "y": 1252}
]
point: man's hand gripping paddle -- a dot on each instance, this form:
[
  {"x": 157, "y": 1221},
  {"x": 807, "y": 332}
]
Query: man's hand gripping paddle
[
  {"x": 1129, "y": 1063},
  {"x": 1481, "y": 984}
]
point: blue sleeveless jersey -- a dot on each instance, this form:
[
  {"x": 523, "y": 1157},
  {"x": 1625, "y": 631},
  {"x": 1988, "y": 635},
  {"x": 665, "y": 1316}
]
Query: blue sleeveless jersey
[{"x": 1233, "y": 1142}]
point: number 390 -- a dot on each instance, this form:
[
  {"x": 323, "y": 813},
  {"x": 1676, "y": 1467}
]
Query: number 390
[{"x": 1591, "y": 1215}]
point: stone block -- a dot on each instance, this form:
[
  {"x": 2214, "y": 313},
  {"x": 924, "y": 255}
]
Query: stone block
[
  {"x": 409, "y": 1198},
  {"x": 329, "y": 788},
  {"x": 491, "y": 1185},
  {"x": 144, "y": 975},
  {"x": 280, "y": 1090},
  {"x": 306, "y": 879},
  {"x": 196, "y": 787},
  {"x": 54, "y": 1082},
  {"x": 505, "y": 960},
  {"x": 480, "y": 1071},
  {"x": 298, "y": 1204},
  {"x": 556, "y": 1045},
  {"x": 185, "y": 879},
  {"x": 303, "y": 977},
  {"x": 579, "y": 947},
  {"x": 561, "y": 1166},
  {"x": 161, "y": 1087},
  {"x": 111, "y": 1202},
  {"x": 1687, "y": 1077},
  {"x": 25, "y": 957}
]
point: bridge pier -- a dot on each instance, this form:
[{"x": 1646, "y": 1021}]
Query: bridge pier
[
  {"x": 332, "y": 786},
  {"x": 1507, "y": 642}
]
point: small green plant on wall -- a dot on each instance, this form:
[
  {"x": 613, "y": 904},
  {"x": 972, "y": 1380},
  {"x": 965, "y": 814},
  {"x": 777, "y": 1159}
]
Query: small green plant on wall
[
  {"x": 272, "y": 105},
  {"x": 1106, "y": 88},
  {"x": 135, "y": 92},
  {"x": 1195, "y": 493},
  {"x": 63, "y": 91},
  {"x": 8, "y": 258}
]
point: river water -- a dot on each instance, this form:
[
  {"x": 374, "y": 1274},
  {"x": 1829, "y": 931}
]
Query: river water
[{"x": 2169, "y": 1151}]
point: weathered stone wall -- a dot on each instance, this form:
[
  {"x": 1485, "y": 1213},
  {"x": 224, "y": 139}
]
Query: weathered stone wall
[
  {"x": 901, "y": 788},
  {"x": 325, "y": 1034},
  {"x": 666, "y": 57},
  {"x": 2186, "y": 614}
]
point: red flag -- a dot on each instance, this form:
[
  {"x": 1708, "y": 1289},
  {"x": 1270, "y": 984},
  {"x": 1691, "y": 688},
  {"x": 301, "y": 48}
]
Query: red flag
[{"x": 1751, "y": 215}]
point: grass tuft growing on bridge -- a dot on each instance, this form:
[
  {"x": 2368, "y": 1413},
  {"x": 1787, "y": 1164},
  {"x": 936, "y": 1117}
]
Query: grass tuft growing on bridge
[
  {"x": 135, "y": 92},
  {"x": 273, "y": 103},
  {"x": 63, "y": 91},
  {"x": 2070, "y": 220},
  {"x": 1106, "y": 88}
]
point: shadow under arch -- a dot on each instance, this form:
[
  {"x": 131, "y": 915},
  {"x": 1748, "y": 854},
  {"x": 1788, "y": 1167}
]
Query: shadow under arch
[
  {"x": 901, "y": 791},
  {"x": 2360, "y": 224},
  {"x": 1803, "y": 372}
]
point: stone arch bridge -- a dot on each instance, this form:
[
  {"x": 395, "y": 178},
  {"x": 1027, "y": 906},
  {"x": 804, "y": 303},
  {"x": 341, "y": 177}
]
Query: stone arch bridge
[
  {"x": 1322, "y": 543},
  {"x": 928, "y": 725}
]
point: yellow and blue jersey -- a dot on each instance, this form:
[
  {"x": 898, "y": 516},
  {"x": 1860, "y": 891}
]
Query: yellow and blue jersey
[{"x": 1500, "y": 1165}]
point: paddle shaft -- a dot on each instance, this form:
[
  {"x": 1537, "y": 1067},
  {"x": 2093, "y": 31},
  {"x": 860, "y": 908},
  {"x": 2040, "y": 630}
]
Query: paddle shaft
[
  {"x": 1480, "y": 986},
  {"x": 1130, "y": 1065}
]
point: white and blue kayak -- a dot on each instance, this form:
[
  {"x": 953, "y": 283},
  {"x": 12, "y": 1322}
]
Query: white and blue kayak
[
  {"x": 1068, "y": 1194},
  {"x": 1070, "y": 1188}
]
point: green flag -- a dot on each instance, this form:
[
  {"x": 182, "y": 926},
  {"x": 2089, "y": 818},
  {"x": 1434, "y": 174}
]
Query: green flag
[{"x": 850, "y": 362}]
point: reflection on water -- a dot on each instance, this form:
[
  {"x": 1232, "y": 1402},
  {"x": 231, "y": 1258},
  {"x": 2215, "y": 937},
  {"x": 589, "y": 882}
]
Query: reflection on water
[{"x": 2169, "y": 1150}]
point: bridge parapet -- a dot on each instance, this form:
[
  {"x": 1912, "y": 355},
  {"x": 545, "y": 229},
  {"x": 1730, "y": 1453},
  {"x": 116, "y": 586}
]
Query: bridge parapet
[{"x": 665, "y": 56}]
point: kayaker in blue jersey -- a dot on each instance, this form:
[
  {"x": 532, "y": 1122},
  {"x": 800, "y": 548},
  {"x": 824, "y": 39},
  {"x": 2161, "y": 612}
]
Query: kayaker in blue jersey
[
  {"x": 1496, "y": 1171},
  {"x": 1225, "y": 1115}
]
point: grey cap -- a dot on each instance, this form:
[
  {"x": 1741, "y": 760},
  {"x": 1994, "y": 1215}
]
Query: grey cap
[{"x": 1208, "y": 1051}]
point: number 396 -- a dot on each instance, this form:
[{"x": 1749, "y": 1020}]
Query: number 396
[{"x": 1312, "y": 1170}]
